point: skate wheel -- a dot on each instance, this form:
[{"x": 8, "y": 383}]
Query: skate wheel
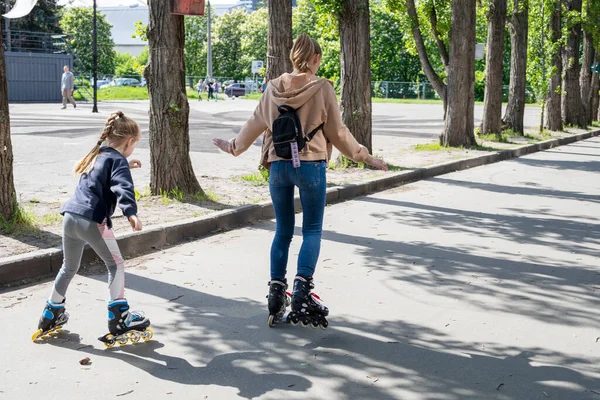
[
  {"x": 110, "y": 341},
  {"x": 305, "y": 324},
  {"x": 36, "y": 335},
  {"x": 324, "y": 325},
  {"x": 123, "y": 340},
  {"x": 314, "y": 324},
  {"x": 135, "y": 337},
  {"x": 147, "y": 334},
  {"x": 271, "y": 320}
]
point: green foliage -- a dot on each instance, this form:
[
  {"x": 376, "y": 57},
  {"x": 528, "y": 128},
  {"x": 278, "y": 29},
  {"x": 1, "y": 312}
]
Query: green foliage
[
  {"x": 122, "y": 93},
  {"x": 227, "y": 45},
  {"x": 141, "y": 31},
  {"x": 43, "y": 18},
  {"x": 390, "y": 59},
  {"x": 76, "y": 22},
  {"x": 254, "y": 39},
  {"x": 126, "y": 65},
  {"x": 196, "y": 45},
  {"x": 22, "y": 221}
]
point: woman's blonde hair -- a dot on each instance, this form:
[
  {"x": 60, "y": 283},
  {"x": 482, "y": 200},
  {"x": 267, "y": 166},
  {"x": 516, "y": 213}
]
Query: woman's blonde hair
[
  {"x": 303, "y": 50},
  {"x": 118, "y": 128}
]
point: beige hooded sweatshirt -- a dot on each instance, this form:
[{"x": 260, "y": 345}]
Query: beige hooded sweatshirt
[{"x": 315, "y": 103}]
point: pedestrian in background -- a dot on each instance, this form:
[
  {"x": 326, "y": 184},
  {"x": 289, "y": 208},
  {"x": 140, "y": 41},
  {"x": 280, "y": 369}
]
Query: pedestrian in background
[{"x": 67, "y": 85}]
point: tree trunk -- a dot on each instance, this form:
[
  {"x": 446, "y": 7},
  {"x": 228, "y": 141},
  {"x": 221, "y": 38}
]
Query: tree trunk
[
  {"x": 553, "y": 100},
  {"x": 170, "y": 166},
  {"x": 594, "y": 92},
  {"x": 280, "y": 38},
  {"x": 8, "y": 203},
  {"x": 492, "y": 111},
  {"x": 571, "y": 100},
  {"x": 354, "y": 27},
  {"x": 432, "y": 76},
  {"x": 458, "y": 127},
  {"x": 585, "y": 77},
  {"x": 519, "y": 27}
]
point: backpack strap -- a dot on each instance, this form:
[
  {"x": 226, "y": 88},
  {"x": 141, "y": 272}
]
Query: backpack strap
[
  {"x": 285, "y": 109},
  {"x": 312, "y": 133}
]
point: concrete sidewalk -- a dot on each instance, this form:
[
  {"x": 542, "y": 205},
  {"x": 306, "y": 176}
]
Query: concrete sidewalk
[{"x": 482, "y": 284}]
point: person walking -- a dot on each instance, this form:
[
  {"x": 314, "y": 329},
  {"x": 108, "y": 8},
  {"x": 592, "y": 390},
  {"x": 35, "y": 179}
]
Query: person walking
[
  {"x": 104, "y": 180},
  {"x": 298, "y": 163},
  {"x": 211, "y": 90},
  {"x": 67, "y": 85},
  {"x": 200, "y": 89},
  {"x": 217, "y": 88}
]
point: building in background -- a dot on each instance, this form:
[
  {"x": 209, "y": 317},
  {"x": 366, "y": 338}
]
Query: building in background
[{"x": 123, "y": 19}]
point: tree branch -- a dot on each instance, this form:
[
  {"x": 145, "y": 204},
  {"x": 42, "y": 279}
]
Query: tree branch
[{"x": 436, "y": 35}]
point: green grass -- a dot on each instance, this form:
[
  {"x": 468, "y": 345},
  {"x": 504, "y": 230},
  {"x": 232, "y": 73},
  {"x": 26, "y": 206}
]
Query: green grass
[
  {"x": 596, "y": 124},
  {"x": 207, "y": 196},
  {"x": 436, "y": 146},
  {"x": 22, "y": 221},
  {"x": 122, "y": 93}
]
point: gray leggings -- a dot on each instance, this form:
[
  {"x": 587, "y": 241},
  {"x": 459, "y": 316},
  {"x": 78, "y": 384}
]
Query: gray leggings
[{"x": 77, "y": 231}]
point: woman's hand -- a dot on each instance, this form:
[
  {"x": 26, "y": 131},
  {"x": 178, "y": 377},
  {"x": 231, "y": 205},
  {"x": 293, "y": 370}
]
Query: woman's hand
[
  {"x": 377, "y": 163},
  {"x": 135, "y": 164},
  {"x": 136, "y": 224},
  {"x": 222, "y": 144}
]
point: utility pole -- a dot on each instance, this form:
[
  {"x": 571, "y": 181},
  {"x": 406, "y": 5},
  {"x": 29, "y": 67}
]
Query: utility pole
[
  {"x": 209, "y": 53},
  {"x": 95, "y": 51}
]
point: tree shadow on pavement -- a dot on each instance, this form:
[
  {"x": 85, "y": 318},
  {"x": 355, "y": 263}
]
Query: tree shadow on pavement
[{"x": 227, "y": 343}]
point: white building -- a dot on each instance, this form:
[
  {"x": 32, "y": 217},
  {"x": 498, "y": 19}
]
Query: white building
[{"x": 123, "y": 19}]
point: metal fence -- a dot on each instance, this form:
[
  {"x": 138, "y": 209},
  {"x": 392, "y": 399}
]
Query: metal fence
[{"x": 35, "y": 77}]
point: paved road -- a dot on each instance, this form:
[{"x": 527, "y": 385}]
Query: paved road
[
  {"x": 482, "y": 284},
  {"x": 48, "y": 141}
]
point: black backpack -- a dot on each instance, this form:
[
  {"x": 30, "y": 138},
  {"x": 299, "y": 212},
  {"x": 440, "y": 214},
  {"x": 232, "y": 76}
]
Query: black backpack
[{"x": 287, "y": 129}]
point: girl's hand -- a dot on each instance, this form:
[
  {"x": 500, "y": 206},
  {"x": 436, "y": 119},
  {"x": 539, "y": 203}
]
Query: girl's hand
[
  {"x": 135, "y": 164},
  {"x": 136, "y": 224},
  {"x": 377, "y": 163},
  {"x": 222, "y": 144}
]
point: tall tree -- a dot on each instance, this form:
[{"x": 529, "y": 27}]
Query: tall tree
[
  {"x": 588, "y": 79},
  {"x": 195, "y": 45},
  {"x": 354, "y": 25},
  {"x": 515, "y": 111},
  {"x": 431, "y": 74},
  {"x": 280, "y": 38},
  {"x": 458, "y": 126},
  {"x": 254, "y": 39},
  {"x": 8, "y": 204},
  {"x": 43, "y": 18},
  {"x": 170, "y": 163},
  {"x": 572, "y": 109},
  {"x": 76, "y": 23},
  {"x": 227, "y": 44},
  {"x": 492, "y": 111},
  {"x": 553, "y": 101}
]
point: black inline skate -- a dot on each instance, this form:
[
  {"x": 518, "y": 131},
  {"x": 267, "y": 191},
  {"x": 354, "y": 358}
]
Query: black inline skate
[
  {"x": 125, "y": 325},
  {"x": 53, "y": 318},
  {"x": 307, "y": 308},
  {"x": 279, "y": 299}
]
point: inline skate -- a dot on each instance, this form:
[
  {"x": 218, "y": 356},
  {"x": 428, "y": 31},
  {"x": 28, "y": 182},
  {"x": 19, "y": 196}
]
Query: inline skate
[
  {"x": 307, "y": 307},
  {"x": 279, "y": 300},
  {"x": 53, "y": 318},
  {"x": 125, "y": 325}
]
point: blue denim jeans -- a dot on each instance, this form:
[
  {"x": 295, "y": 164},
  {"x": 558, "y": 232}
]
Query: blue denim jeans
[{"x": 310, "y": 179}]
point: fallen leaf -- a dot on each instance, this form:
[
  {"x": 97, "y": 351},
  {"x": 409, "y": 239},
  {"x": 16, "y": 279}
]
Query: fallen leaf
[
  {"x": 292, "y": 385},
  {"x": 84, "y": 361},
  {"x": 169, "y": 392},
  {"x": 176, "y": 298},
  {"x": 499, "y": 386},
  {"x": 126, "y": 393},
  {"x": 545, "y": 394}
]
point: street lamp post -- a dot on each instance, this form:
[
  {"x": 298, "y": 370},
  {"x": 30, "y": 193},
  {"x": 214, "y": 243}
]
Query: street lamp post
[
  {"x": 209, "y": 45},
  {"x": 95, "y": 61}
]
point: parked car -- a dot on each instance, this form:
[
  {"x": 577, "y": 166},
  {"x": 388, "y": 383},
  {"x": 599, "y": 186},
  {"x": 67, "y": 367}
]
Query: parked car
[
  {"x": 99, "y": 83},
  {"x": 124, "y": 82},
  {"x": 228, "y": 83},
  {"x": 236, "y": 90}
]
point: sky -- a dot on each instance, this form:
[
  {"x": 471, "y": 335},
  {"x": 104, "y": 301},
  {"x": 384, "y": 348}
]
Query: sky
[{"x": 112, "y": 3}]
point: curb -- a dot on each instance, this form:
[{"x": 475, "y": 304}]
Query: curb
[{"x": 48, "y": 261}]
